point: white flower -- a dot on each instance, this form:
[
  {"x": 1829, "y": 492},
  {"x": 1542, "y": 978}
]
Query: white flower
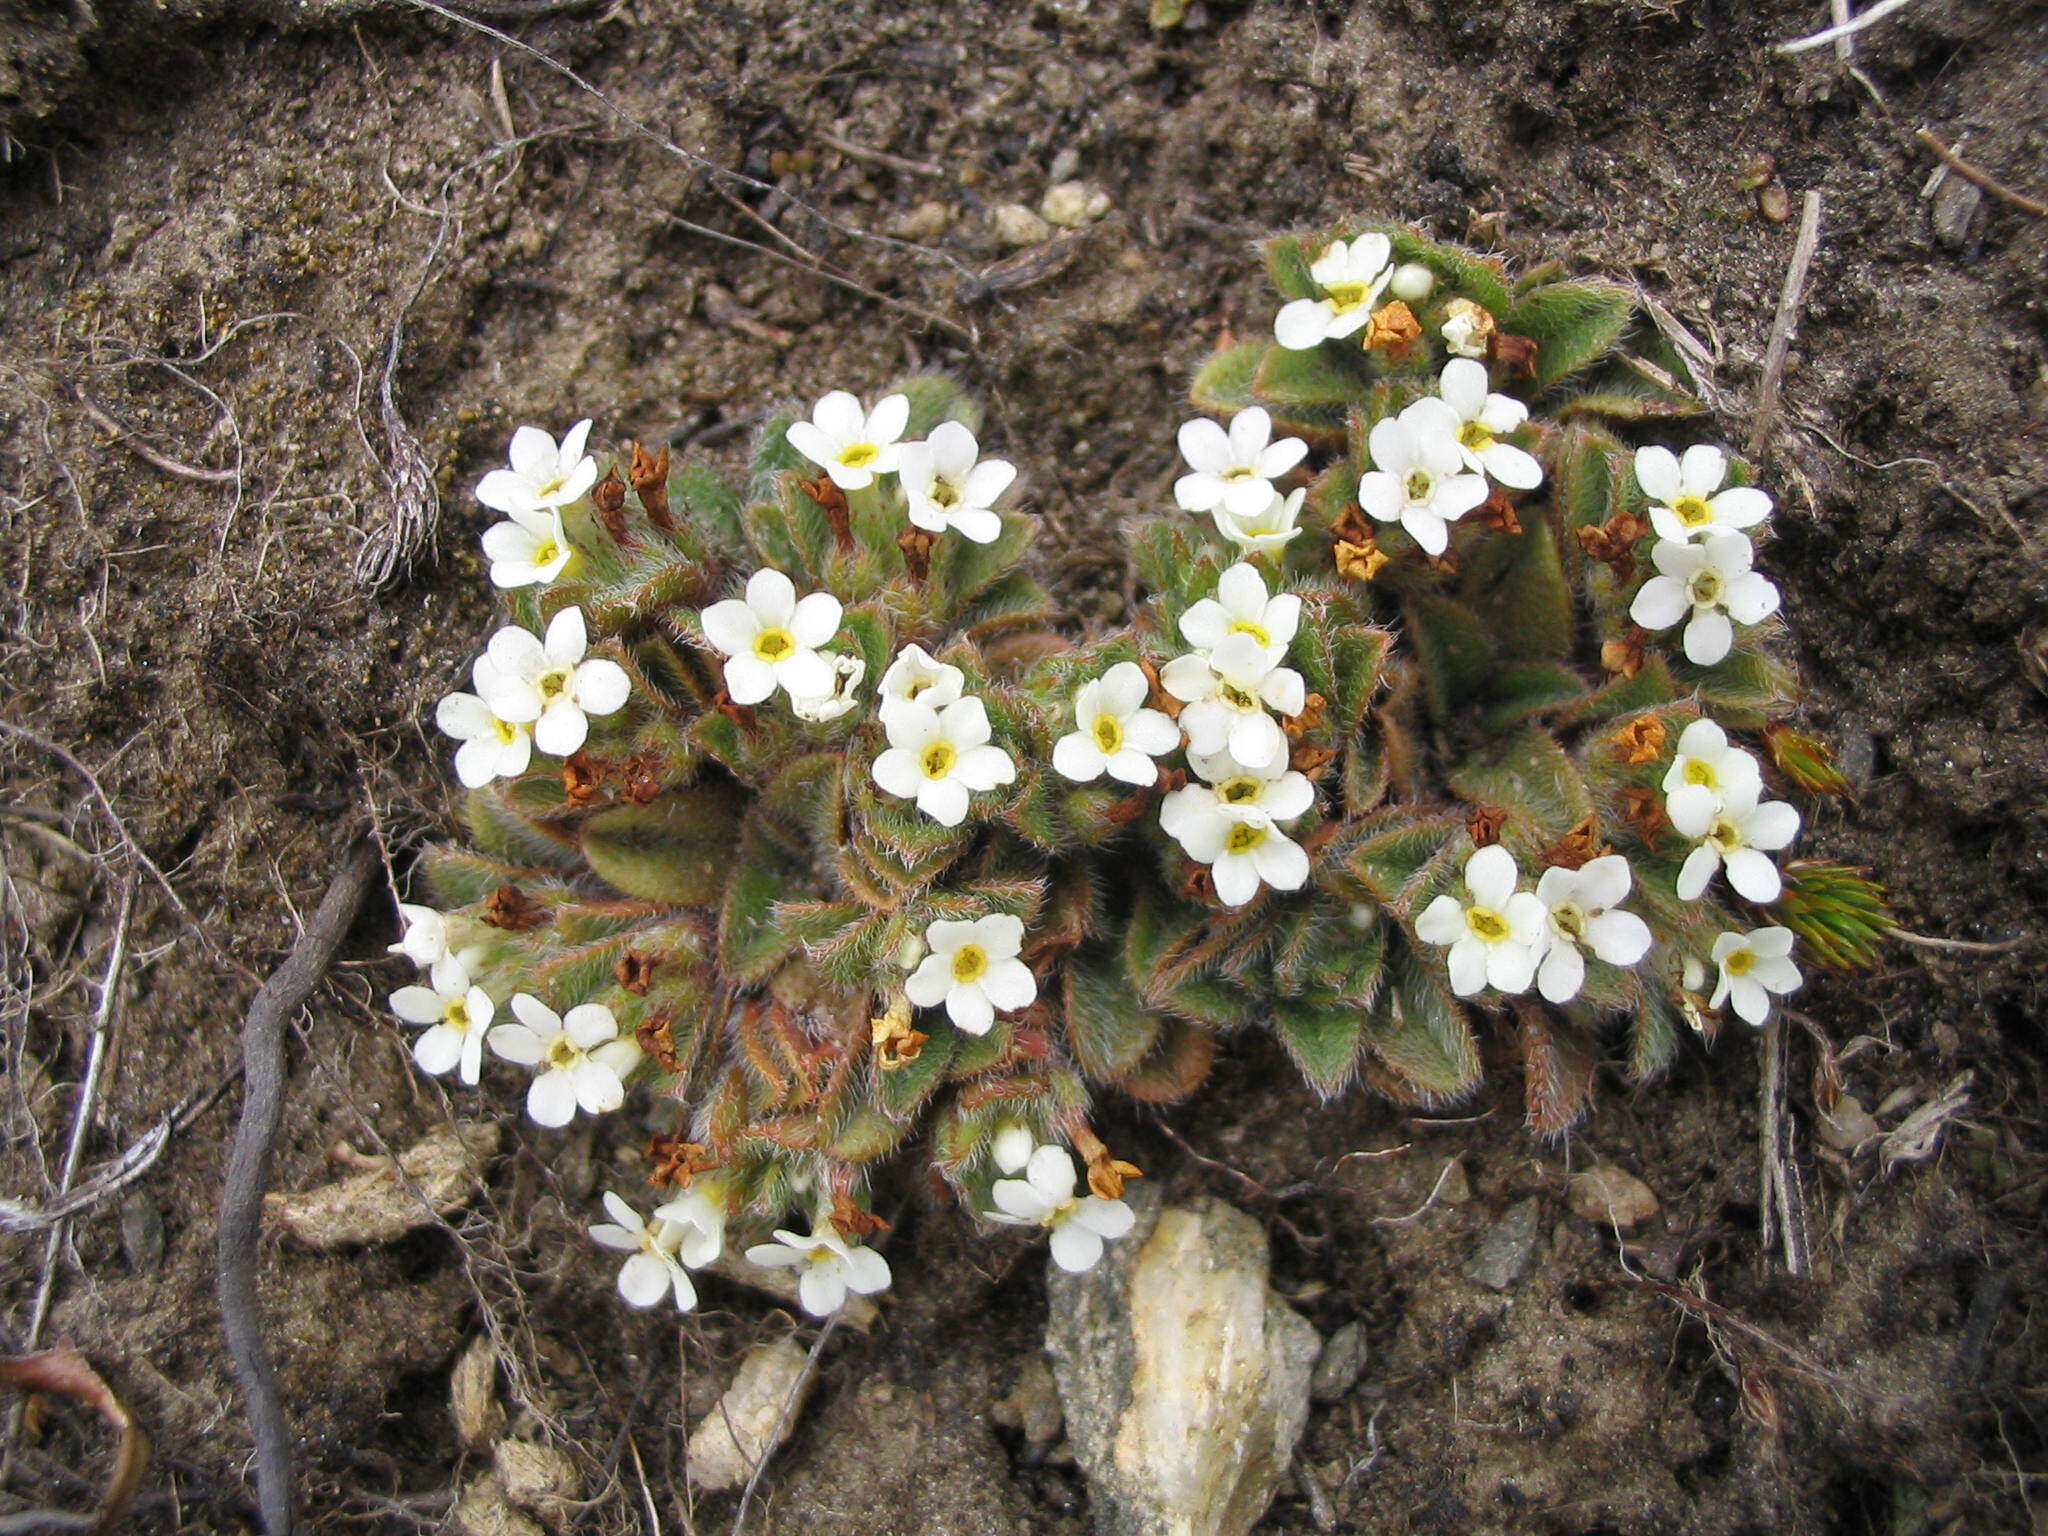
[
  {"x": 654, "y": 1270},
  {"x": 974, "y": 971},
  {"x": 1712, "y": 581},
  {"x": 1012, "y": 1145},
  {"x": 1233, "y": 471},
  {"x": 771, "y": 638},
  {"x": 1115, "y": 733},
  {"x": 936, "y": 756},
  {"x": 696, "y": 1218},
  {"x": 548, "y": 684},
  {"x": 1265, "y": 531},
  {"x": 1708, "y": 764},
  {"x": 456, "y": 1014},
  {"x": 493, "y": 747},
  {"x": 426, "y": 935},
  {"x": 1686, "y": 499},
  {"x": 529, "y": 549},
  {"x": 849, "y": 444},
  {"x": 1732, "y": 829},
  {"x": 1579, "y": 911},
  {"x": 915, "y": 678},
  {"x": 583, "y": 1063},
  {"x": 1753, "y": 966},
  {"x": 1497, "y": 937},
  {"x": 1351, "y": 275},
  {"x": 1044, "y": 1197},
  {"x": 1412, "y": 283},
  {"x": 847, "y": 672},
  {"x": 831, "y": 1267},
  {"x": 1418, "y": 480},
  {"x": 1227, "y": 694},
  {"x": 1476, "y": 420},
  {"x": 542, "y": 476},
  {"x": 1468, "y": 330},
  {"x": 1232, "y": 824},
  {"x": 1243, "y": 606},
  {"x": 945, "y": 487}
]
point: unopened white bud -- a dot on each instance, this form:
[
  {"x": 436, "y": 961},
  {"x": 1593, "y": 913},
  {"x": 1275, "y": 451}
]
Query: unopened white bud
[{"x": 1412, "y": 282}]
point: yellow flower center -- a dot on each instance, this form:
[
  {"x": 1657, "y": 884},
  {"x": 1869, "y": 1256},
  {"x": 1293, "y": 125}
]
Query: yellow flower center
[
  {"x": 1419, "y": 484},
  {"x": 1724, "y": 834},
  {"x": 1241, "y": 791},
  {"x": 1697, "y": 772},
  {"x": 970, "y": 963},
  {"x": 1693, "y": 511},
  {"x": 938, "y": 759},
  {"x": 1570, "y": 920},
  {"x": 772, "y": 645},
  {"x": 1738, "y": 963},
  {"x": 551, "y": 487},
  {"x": 546, "y": 552},
  {"x": 1257, "y": 631},
  {"x": 507, "y": 731},
  {"x": 1236, "y": 697},
  {"x": 562, "y": 1053},
  {"x": 1345, "y": 297},
  {"x": 1705, "y": 588},
  {"x": 1486, "y": 924},
  {"x": 1243, "y": 838},
  {"x": 455, "y": 1013},
  {"x": 1239, "y": 472},
  {"x": 1109, "y": 734},
  {"x": 945, "y": 493},
  {"x": 859, "y": 455},
  {"x": 554, "y": 682},
  {"x": 1475, "y": 435}
]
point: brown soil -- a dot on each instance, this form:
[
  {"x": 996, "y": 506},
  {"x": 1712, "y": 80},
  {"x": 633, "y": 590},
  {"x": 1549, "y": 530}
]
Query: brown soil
[{"x": 209, "y": 223}]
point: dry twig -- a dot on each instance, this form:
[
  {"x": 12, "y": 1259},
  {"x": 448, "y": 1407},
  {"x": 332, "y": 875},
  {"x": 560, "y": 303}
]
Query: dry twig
[
  {"x": 1844, "y": 29},
  {"x": 1786, "y": 323},
  {"x": 1981, "y": 178},
  {"x": 1782, "y": 1199}
]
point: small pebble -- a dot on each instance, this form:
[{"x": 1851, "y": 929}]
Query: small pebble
[
  {"x": 1774, "y": 202},
  {"x": 142, "y": 1234},
  {"x": 1018, "y": 225},
  {"x": 926, "y": 222},
  {"x": 1503, "y": 1254},
  {"x": 1607, "y": 1194},
  {"x": 1849, "y": 1126},
  {"x": 1955, "y": 207},
  {"x": 1340, "y": 1365},
  {"x": 1073, "y": 203}
]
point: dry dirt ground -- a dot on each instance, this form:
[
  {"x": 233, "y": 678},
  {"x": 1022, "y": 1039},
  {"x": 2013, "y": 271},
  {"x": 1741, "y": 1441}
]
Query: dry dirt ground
[{"x": 213, "y": 214}]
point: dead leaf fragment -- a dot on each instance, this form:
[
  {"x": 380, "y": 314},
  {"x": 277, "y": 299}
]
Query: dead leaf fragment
[
  {"x": 1918, "y": 1136},
  {"x": 62, "y": 1371},
  {"x": 537, "y": 1478},
  {"x": 485, "y": 1511},
  {"x": 740, "y": 1430},
  {"x": 472, "y": 1394},
  {"x": 440, "y": 1174}
]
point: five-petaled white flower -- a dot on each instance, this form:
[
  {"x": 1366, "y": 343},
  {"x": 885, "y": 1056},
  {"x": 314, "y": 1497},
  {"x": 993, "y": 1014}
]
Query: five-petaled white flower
[
  {"x": 1735, "y": 830},
  {"x": 1234, "y": 471},
  {"x": 1579, "y": 906},
  {"x": 543, "y": 475},
  {"x": 973, "y": 969},
  {"x": 770, "y": 638},
  {"x": 1476, "y": 421},
  {"x": 821, "y": 709},
  {"x": 425, "y": 939},
  {"x": 947, "y": 485},
  {"x": 456, "y": 1013},
  {"x": 1712, "y": 581},
  {"x": 1686, "y": 499},
  {"x": 1419, "y": 480},
  {"x": 697, "y": 1216},
  {"x": 493, "y": 747},
  {"x": 654, "y": 1269},
  {"x": 1496, "y": 938},
  {"x": 1753, "y": 966},
  {"x": 1265, "y": 531},
  {"x": 1243, "y": 606},
  {"x": 1045, "y": 1197},
  {"x": 1351, "y": 274},
  {"x": 1232, "y": 824},
  {"x": 830, "y": 1266},
  {"x": 582, "y": 1061},
  {"x": 1228, "y": 693},
  {"x": 915, "y": 678},
  {"x": 937, "y": 756},
  {"x": 1115, "y": 733},
  {"x": 1708, "y": 766},
  {"x": 851, "y": 445},
  {"x": 528, "y": 549},
  {"x": 550, "y": 685}
]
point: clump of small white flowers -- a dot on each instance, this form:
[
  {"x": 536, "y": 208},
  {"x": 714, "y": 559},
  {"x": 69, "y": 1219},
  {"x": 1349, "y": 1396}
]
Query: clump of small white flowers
[
  {"x": 1114, "y": 732},
  {"x": 1419, "y": 479},
  {"x": 528, "y": 549},
  {"x": 580, "y": 1061},
  {"x": 1710, "y": 580},
  {"x": 1231, "y": 822},
  {"x": 972, "y": 969},
  {"x": 1467, "y": 329},
  {"x": 549, "y": 683},
  {"x": 1494, "y": 939},
  {"x": 425, "y": 939},
  {"x": 946, "y": 483},
  {"x": 915, "y": 678},
  {"x": 456, "y": 1012},
  {"x": 1733, "y": 829},
  {"x": 1243, "y": 606},
  {"x": 851, "y": 445},
  {"x": 1228, "y": 693},
  {"x": 654, "y": 1268},
  {"x": 941, "y": 757},
  {"x": 1234, "y": 471},
  {"x": 493, "y": 747},
  {"x": 1045, "y": 1197},
  {"x": 770, "y": 638},
  {"x": 1686, "y": 495},
  {"x": 1351, "y": 274},
  {"x": 1754, "y": 967},
  {"x": 847, "y": 673},
  {"x": 1476, "y": 420},
  {"x": 829, "y": 1266},
  {"x": 544, "y": 475},
  {"x": 1580, "y": 913},
  {"x": 1265, "y": 531}
]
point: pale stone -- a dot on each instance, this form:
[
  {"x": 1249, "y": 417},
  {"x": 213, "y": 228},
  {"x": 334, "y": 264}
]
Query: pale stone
[
  {"x": 1072, "y": 204},
  {"x": 742, "y": 1428},
  {"x": 440, "y": 1174},
  {"x": 1018, "y": 225},
  {"x": 1504, "y": 1252},
  {"x": 1608, "y": 1194},
  {"x": 484, "y": 1511},
  {"x": 537, "y": 1478},
  {"x": 1185, "y": 1379}
]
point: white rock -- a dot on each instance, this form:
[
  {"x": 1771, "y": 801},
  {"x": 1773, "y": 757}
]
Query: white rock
[
  {"x": 1073, "y": 203},
  {"x": 1185, "y": 1379},
  {"x": 1018, "y": 225},
  {"x": 741, "y": 1427}
]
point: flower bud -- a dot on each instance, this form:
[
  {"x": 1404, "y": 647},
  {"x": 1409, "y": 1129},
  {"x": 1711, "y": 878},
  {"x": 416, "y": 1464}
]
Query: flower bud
[
  {"x": 1412, "y": 282},
  {"x": 1012, "y": 1146}
]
